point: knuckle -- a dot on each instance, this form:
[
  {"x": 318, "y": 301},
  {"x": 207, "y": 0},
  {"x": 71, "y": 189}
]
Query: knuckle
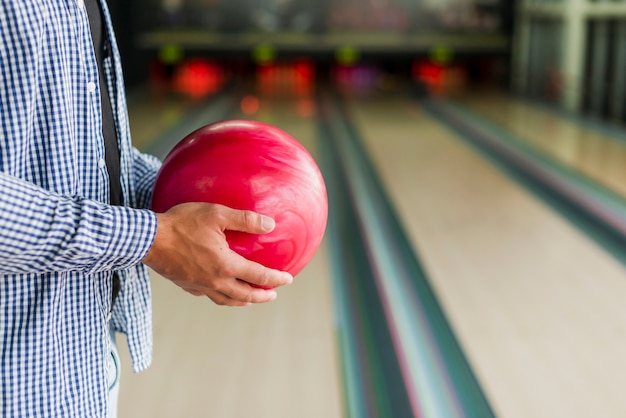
[
  {"x": 247, "y": 298},
  {"x": 225, "y": 271},
  {"x": 264, "y": 277},
  {"x": 212, "y": 285},
  {"x": 218, "y": 214},
  {"x": 249, "y": 219}
]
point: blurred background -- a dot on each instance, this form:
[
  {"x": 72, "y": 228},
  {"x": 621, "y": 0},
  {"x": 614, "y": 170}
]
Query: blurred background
[{"x": 474, "y": 153}]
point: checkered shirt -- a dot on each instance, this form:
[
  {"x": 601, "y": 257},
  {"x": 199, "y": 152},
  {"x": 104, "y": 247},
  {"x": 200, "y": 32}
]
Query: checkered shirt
[{"x": 59, "y": 239}]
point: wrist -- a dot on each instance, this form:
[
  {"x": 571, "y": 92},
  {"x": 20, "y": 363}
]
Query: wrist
[{"x": 157, "y": 243}]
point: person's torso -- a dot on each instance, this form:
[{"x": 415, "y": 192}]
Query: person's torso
[
  {"x": 53, "y": 327},
  {"x": 58, "y": 108}
]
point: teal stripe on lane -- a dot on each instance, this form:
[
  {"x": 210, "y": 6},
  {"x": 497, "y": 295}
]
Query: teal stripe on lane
[
  {"x": 434, "y": 371},
  {"x": 371, "y": 374},
  {"x": 594, "y": 210},
  {"x": 589, "y": 187}
]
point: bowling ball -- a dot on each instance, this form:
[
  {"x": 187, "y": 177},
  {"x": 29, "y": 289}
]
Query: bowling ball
[{"x": 251, "y": 165}]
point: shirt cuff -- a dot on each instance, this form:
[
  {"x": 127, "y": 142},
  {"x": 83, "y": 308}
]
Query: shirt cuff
[{"x": 132, "y": 233}]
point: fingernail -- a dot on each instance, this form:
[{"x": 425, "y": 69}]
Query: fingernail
[
  {"x": 267, "y": 223},
  {"x": 290, "y": 279}
]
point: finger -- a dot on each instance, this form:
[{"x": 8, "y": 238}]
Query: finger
[
  {"x": 224, "y": 300},
  {"x": 194, "y": 292},
  {"x": 257, "y": 274},
  {"x": 247, "y": 221},
  {"x": 238, "y": 293}
]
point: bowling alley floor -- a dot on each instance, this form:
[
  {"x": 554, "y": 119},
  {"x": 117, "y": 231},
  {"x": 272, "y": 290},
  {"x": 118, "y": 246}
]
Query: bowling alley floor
[
  {"x": 536, "y": 304},
  {"x": 272, "y": 360}
]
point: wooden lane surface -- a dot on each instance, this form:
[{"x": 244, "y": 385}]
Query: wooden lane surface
[
  {"x": 582, "y": 149},
  {"x": 277, "y": 360},
  {"x": 538, "y": 308}
]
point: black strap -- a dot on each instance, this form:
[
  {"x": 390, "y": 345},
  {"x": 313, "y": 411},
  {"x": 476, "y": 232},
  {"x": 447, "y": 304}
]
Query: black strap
[
  {"x": 116, "y": 288},
  {"x": 102, "y": 48}
]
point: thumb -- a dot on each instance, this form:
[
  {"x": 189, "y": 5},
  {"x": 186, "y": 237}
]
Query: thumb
[{"x": 249, "y": 221}]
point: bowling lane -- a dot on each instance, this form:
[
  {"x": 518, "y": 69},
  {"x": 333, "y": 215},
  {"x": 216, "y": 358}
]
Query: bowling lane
[
  {"x": 536, "y": 305},
  {"x": 275, "y": 360},
  {"x": 597, "y": 155},
  {"x": 152, "y": 112}
]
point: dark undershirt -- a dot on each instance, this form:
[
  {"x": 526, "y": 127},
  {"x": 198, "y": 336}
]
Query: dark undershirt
[{"x": 100, "y": 39}]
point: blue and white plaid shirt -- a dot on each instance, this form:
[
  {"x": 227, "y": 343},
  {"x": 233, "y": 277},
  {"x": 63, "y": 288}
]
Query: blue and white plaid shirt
[{"x": 59, "y": 240}]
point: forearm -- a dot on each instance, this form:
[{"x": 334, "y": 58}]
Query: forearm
[{"x": 41, "y": 231}]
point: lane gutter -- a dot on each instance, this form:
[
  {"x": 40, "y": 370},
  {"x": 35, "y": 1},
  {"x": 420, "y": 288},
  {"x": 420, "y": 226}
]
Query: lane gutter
[{"x": 400, "y": 355}]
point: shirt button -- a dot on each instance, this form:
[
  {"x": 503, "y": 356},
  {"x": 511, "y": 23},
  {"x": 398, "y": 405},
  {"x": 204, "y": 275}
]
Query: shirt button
[
  {"x": 101, "y": 163},
  {"x": 80, "y": 3},
  {"x": 91, "y": 87}
]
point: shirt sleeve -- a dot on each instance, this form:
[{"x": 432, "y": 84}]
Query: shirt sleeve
[
  {"x": 145, "y": 168},
  {"x": 42, "y": 232}
]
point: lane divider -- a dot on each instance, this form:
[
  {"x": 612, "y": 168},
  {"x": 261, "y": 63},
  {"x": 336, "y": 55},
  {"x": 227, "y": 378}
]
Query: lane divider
[
  {"x": 371, "y": 375},
  {"x": 595, "y": 210},
  {"x": 401, "y": 358}
]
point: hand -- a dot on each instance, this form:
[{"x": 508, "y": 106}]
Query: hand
[{"x": 190, "y": 249}]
